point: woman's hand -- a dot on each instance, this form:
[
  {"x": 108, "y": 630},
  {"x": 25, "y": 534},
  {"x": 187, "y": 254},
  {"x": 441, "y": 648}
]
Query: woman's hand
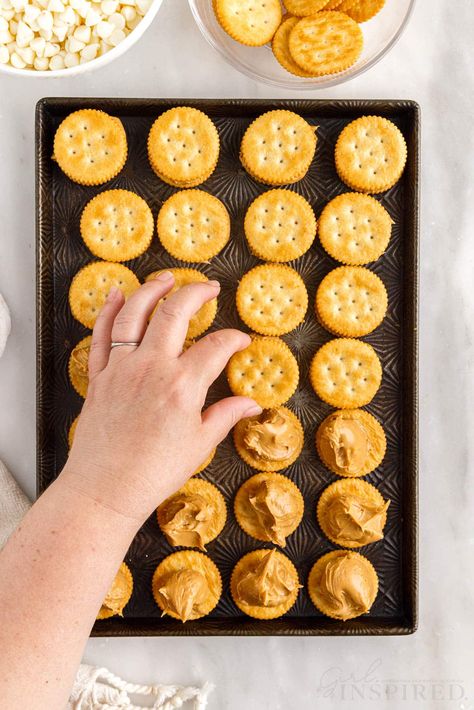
[{"x": 142, "y": 431}]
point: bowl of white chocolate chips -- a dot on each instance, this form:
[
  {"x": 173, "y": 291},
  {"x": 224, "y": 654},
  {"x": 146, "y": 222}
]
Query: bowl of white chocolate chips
[{"x": 63, "y": 37}]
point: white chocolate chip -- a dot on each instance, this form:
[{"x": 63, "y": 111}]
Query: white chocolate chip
[
  {"x": 56, "y": 62},
  {"x": 89, "y": 52},
  {"x": 51, "y": 49},
  {"x": 129, "y": 13},
  {"x": 5, "y": 37},
  {"x": 45, "y": 21},
  {"x": 56, "y": 6},
  {"x": 74, "y": 45},
  {"x": 27, "y": 54},
  {"x": 117, "y": 20},
  {"x": 108, "y": 7},
  {"x": 143, "y": 6},
  {"x": 104, "y": 29},
  {"x": 116, "y": 37},
  {"x": 41, "y": 64},
  {"x": 46, "y": 34},
  {"x": 83, "y": 34},
  {"x": 38, "y": 45},
  {"x": 17, "y": 62},
  {"x": 71, "y": 59},
  {"x": 24, "y": 34},
  {"x": 92, "y": 18}
]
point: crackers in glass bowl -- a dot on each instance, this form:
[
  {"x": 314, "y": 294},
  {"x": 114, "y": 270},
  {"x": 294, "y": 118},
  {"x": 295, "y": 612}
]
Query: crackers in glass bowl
[{"x": 314, "y": 38}]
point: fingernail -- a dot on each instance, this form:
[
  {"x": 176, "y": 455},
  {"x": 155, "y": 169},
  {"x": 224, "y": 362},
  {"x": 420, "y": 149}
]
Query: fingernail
[
  {"x": 253, "y": 411},
  {"x": 164, "y": 276},
  {"x": 216, "y": 284},
  {"x": 112, "y": 295}
]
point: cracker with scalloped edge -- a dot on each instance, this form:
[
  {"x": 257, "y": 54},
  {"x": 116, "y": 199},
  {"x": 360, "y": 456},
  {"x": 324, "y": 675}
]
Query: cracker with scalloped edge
[
  {"x": 250, "y": 22},
  {"x": 364, "y": 10},
  {"x": 302, "y": 8},
  {"x": 326, "y": 43}
]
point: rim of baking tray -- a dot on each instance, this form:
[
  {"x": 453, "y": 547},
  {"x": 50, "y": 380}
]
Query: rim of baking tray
[
  {"x": 300, "y": 83},
  {"x": 96, "y": 63}
]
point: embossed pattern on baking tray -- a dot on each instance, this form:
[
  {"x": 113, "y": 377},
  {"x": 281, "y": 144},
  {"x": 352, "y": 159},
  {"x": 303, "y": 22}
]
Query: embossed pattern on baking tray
[{"x": 62, "y": 253}]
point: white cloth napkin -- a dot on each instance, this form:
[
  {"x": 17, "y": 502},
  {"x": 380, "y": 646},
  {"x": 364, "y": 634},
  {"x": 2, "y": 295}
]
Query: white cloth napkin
[{"x": 94, "y": 688}]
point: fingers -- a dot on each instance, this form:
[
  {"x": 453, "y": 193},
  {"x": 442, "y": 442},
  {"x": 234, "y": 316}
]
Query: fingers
[
  {"x": 168, "y": 327},
  {"x": 210, "y": 355},
  {"x": 102, "y": 333},
  {"x": 219, "y": 418},
  {"x": 131, "y": 322}
]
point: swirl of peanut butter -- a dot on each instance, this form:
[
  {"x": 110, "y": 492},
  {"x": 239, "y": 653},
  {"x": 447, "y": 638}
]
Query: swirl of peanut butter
[
  {"x": 186, "y": 520},
  {"x": 351, "y": 519},
  {"x": 184, "y": 594},
  {"x": 268, "y": 584},
  {"x": 118, "y": 594},
  {"x": 80, "y": 361},
  {"x": 272, "y": 435},
  {"x": 345, "y": 444},
  {"x": 272, "y": 512},
  {"x": 346, "y": 588}
]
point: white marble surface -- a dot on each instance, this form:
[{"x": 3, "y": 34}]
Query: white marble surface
[{"x": 432, "y": 64}]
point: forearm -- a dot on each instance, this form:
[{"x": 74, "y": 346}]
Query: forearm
[{"x": 54, "y": 573}]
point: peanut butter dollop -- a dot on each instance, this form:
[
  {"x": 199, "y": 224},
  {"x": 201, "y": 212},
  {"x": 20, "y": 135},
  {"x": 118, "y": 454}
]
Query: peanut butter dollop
[
  {"x": 346, "y": 444},
  {"x": 272, "y": 435},
  {"x": 118, "y": 594},
  {"x": 273, "y": 512},
  {"x": 187, "y": 520},
  {"x": 80, "y": 361},
  {"x": 350, "y": 519},
  {"x": 346, "y": 588},
  {"x": 268, "y": 584},
  {"x": 184, "y": 593}
]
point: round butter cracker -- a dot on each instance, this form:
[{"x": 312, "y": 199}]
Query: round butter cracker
[
  {"x": 251, "y": 522},
  {"x": 91, "y": 285},
  {"x": 281, "y": 50},
  {"x": 377, "y": 442},
  {"x": 280, "y": 226},
  {"x": 278, "y": 147},
  {"x": 78, "y": 366},
  {"x": 249, "y": 563},
  {"x": 183, "y": 147},
  {"x": 212, "y": 498},
  {"x": 302, "y": 8},
  {"x": 194, "y": 561},
  {"x": 370, "y": 154},
  {"x": 354, "y": 228},
  {"x": 266, "y": 370},
  {"x": 364, "y": 10},
  {"x": 346, "y": 373},
  {"x": 204, "y": 318},
  {"x": 117, "y": 225},
  {"x": 252, "y": 458},
  {"x": 193, "y": 225},
  {"x": 90, "y": 146},
  {"x": 326, "y": 43},
  {"x": 272, "y": 299},
  {"x": 250, "y": 22},
  {"x": 351, "y": 301}
]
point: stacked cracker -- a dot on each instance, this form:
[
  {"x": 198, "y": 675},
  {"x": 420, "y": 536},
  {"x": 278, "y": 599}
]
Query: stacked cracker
[{"x": 315, "y": 38}]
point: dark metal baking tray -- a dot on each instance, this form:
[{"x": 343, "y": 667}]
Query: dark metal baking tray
[{"x": 61, "y": 253}]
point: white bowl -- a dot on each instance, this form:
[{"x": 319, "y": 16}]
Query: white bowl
[
  {"x": 380, "y": 35},
  {"x": 98, "y": 62}
]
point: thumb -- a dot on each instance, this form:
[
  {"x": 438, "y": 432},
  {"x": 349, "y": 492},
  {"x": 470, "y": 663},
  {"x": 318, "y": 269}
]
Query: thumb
[{"x": 219, "y": 418}]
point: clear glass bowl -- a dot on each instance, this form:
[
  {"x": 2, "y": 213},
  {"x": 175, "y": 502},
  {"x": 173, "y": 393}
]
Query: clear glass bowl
[{"x": 380, "y": 35}]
